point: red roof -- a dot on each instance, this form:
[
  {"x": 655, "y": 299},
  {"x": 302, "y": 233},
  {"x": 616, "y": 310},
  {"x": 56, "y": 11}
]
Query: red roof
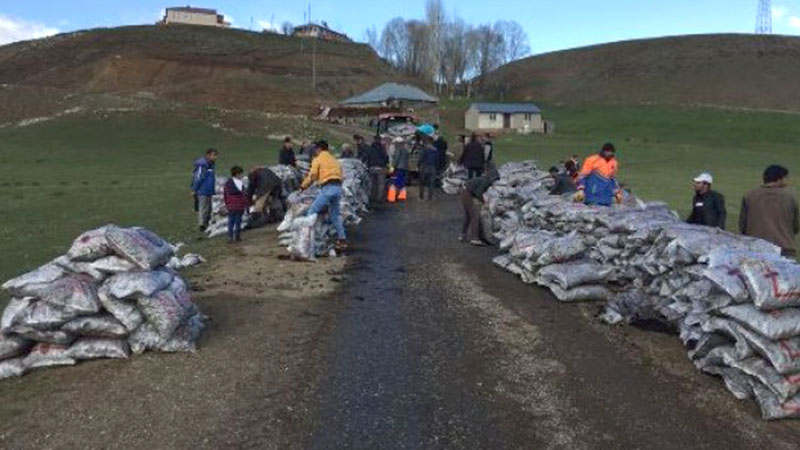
[{"x": 190, "y": 9}]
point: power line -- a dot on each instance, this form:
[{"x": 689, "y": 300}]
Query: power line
[{"x": 764, "y": 17}]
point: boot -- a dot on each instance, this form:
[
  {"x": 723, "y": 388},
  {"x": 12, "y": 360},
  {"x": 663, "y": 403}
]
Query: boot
[
  {"x": 391, "y": 197},
  {"x": 402, "y": 195}
]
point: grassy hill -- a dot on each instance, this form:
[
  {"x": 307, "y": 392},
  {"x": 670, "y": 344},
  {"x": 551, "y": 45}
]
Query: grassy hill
[
  {"x": 743, "y": 71},
  {"x": 186, "y": 64}
]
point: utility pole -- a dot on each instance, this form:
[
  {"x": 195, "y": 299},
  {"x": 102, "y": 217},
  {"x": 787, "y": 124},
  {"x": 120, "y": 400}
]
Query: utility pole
[
  {"x": 764, "y": 17},
  {"x": 314, "y": 64}
]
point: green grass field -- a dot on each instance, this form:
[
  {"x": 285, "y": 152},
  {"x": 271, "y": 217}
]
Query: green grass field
[
  {"x": 65, "y": 176},
  {"x": 661, "y": 149}
]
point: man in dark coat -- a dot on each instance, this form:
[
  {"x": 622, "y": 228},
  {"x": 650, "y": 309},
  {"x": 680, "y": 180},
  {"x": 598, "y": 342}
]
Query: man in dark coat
[
  {"x": 377, "y": 160},
  {"x": 472, "y": 194},
  {"x": 708, "y": 207},
  {"x": 362, "y": 148},
  {"x": 771, "y": 212},
  {"x": 265, "y": 190},
  {"x": 286, "y": 155},
  {"x": 563, "y": 182},
  {"x": 441, "y": 147},
  {"x": 473, "y": 157}
]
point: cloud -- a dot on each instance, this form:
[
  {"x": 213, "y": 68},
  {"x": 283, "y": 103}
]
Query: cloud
[
  {"x": 267, "y": 25},
  {"x": 794, "y": 22},
  {"x": 228, "y": 18},
  {"x": 779, "y": 12},
  {"x": 12, "y": 30}
]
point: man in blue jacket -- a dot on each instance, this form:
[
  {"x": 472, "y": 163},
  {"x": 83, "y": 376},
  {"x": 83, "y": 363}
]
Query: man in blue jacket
[{"x": 203, "y": 186}]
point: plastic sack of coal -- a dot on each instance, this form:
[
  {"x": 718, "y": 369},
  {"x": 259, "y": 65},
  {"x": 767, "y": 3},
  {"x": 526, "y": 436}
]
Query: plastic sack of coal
[
  {"x": 95, "y": 348},
  {"x": 48, "y": 355},
  {"x": 13, "y": 346},
  {"x": 99, "y": 326}
]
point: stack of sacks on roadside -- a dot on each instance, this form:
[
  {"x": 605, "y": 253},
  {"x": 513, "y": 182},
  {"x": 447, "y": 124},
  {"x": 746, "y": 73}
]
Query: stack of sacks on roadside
[
  {"x": 218, "y": 225},
  {"x": 733, "y": 299},
  {"x": 110, "y": 294},
  {"x": 310, "y": 236},
  {"x": 454, "y": 178}
]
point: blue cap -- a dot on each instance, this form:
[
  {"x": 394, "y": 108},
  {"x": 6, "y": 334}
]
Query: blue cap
[{"x": 426, "y": 129}]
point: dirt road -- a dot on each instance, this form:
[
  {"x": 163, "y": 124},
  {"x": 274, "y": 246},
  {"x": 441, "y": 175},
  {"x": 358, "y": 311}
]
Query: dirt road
[{"x": 412, "y": 341}]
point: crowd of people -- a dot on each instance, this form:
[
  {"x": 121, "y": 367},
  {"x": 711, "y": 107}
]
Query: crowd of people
[{"x": 769, "y": 212}]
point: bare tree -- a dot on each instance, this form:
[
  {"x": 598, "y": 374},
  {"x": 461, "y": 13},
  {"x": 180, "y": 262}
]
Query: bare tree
[
  {"x": 454, "y": 62},
  {"x": 287, "y": 28},
  {"x": 486, "y": 47},
  {"x": 418, "y": 49},
  {"x": 436, "y": 21},
  {"x": 394, "y": 43},
  {"x": 371, "y": 38},
  {"x": 448, "y": 51},
  {"x": 515, "y": 40}
]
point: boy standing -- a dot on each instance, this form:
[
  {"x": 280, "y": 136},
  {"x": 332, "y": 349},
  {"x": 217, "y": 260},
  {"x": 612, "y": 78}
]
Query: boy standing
[{"x": 236, "y": 203}]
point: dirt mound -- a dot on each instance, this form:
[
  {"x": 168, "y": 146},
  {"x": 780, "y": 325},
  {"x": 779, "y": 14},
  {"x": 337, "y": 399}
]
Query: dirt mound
[
  {"x": 726, "y": 70},
  {"x": 188, "y": 64}
]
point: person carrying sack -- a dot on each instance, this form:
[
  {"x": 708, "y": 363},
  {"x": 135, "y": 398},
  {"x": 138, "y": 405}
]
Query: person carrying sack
[{"x": 326, "y": 171}]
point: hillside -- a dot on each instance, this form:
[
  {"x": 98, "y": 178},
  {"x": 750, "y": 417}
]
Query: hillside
[
  {"x": 187, "y": 64},
  {"x": 726, "y": 70}
]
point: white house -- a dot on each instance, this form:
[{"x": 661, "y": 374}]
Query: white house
[
  {"x": 501, "y": 116},
  {"x": 194, "y": 16}
]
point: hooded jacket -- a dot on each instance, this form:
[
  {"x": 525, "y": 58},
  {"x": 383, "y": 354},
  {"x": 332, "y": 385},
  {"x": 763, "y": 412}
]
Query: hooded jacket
[{"x": 203, "y": 179}]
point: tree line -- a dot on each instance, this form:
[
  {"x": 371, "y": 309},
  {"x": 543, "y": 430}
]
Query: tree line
[{"x": 446, "y": 50}]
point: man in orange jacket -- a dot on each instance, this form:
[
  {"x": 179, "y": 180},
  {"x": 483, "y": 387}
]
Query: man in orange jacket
[{"x": 597, "y": 181}]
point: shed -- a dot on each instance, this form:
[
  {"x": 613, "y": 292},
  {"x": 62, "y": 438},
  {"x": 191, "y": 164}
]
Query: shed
[
  {"x": 504, "y": 116},
  {"x": 388, "y": 94}
]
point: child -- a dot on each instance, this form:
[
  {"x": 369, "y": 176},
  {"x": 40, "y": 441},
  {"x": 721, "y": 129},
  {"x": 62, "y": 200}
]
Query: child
[{"x": 236, "y": 202}]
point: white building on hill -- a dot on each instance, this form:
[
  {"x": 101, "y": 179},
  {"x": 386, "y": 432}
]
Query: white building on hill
[
  {"x": 194, "y": 16},
  {"x": 525, "y": 117}
]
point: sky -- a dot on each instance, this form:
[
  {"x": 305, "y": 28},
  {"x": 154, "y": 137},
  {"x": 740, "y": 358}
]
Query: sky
[{"x": 551, "y": 25}]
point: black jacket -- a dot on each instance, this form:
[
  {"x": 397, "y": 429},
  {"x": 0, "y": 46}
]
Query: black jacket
[
  {"x": 263, "y": 181},
  {"x": 473, "y": 156},
  {"x": 564, "y": 185},
  {"x": 428, "y": 160},
  {"x": 708, "y": 209},
  {"x": 479, "y": 185},
  {"x": 377, "y": 156},
  {"x": 286, "y": 157},
  {"x": 441, "y": 147},
  {"x": 362, "y": 152}
]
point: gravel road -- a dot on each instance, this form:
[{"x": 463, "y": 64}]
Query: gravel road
[{"x": 413, "y": 340}]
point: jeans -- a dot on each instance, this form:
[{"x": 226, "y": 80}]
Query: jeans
[
  {"x": 427, "y": 179},
  {"x": 235, "y": 224},
  {"x": 330, "y": 195},
  {"x": 474, "y": 173},
  {"x": 203, "y": 210},
  {"x": 400, "y": 178}
]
